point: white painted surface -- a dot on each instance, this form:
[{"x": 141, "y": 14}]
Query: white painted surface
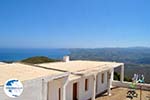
[
  {"x": 66, "y": 58},
  {"x": 38, "y": 89},
  {"x": 94, "y": 87},
  {"x": 109, "y": 83},
  {"x": 49, "y": 88},
  {"x": 53, "y": 89},
  {"x": 32, "y": 91},
  {"x": 82, "y": 94},
  {"x": 122, "y": 73},
  {"x": 101, "y": 87},
  {"x": 112, "y": 77}
]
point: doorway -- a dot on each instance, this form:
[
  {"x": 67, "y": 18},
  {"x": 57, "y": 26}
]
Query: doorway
[{"x": 75, "y": 90}]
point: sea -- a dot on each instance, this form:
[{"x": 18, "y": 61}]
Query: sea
[{"x": 16, "y": 54}]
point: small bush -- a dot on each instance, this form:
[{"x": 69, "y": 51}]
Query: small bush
[{"x": 117, "y": 77}]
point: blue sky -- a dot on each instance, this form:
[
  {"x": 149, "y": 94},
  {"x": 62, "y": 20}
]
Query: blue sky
[{"x": 74, "y": 23}]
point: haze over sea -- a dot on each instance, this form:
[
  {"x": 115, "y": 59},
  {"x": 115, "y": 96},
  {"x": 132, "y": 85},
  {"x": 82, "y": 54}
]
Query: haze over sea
[{"x": 16, "y": 54}]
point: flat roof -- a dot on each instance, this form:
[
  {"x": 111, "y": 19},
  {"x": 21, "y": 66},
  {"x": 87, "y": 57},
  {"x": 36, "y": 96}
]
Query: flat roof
[
  {"x": 22, "y": 72},
  {"x": 81, "y": 65}
]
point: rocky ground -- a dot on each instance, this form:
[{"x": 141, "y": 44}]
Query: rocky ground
[{"x": 121, "y": 94}]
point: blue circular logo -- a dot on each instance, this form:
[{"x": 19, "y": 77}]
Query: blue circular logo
[{"x": 13, "y": 88}]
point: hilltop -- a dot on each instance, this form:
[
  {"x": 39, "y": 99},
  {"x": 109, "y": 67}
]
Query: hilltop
[{"x": 38, "y": 59}]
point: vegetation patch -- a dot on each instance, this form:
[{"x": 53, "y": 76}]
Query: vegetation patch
[
  {"x": 117, "y": 77},
  {"x": 38, "y": 59}
]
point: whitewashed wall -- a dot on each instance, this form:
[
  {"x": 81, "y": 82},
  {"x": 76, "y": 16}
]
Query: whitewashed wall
[
  {"x": 32, "y": 91},
  {"x": 53, "y": 89},
  {"x": 45, "y": 88},
  {"x": 69, "y": 89},
  {"x": 101, "y": 87},
  {"x": 82, "y": 94}
]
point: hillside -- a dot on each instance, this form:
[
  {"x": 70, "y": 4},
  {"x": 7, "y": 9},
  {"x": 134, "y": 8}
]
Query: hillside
[
  {"x": 37, "y": 60},
  {"x": 137, "y": 60}
]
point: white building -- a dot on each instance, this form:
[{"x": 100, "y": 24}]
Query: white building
[
  {"x": 87, "y": 78},
  {"x": 68, "y": 80},
  {"x": 36, "y": 81}
]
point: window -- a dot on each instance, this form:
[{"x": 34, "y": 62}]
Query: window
[
  {"x": 59, "y": 93},
  {"x": 97, "y": 83},
  {"x": 107, "y": 76},
  {"x": 102, "y": 79},
  {"x": 86, "y": 84}
]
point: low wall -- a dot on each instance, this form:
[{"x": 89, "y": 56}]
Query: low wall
[{"x": 143, "y": 86}]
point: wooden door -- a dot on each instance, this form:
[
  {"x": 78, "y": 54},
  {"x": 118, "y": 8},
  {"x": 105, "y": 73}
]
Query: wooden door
[{"x": 75, "y": 90}]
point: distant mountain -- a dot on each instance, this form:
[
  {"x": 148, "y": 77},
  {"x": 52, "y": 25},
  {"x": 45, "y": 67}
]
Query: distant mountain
[
  {"x": 126, "y": 55},
  {"x": 136, "y": 59}
]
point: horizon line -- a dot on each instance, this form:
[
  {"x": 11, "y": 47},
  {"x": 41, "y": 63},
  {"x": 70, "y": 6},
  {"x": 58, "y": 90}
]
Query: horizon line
[{"x": 71, "y": 47}]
